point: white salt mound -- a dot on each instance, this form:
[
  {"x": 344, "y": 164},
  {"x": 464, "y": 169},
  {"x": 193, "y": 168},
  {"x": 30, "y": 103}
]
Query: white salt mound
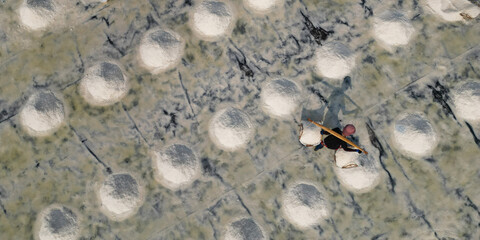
[
  {"x": 466, "y": 99},
  {"x": 104, "y": 84},
  {"x": 334, "y": 60},
  {"x": 358, "y": 179},
  {"x": 161, "y": 49},
  {"x": 280, "y": 98},
  {"x": 230, "y": 129},
  {"x": 310, "y": 134},
  {"x": 58, "y": 223},
  {"x": 261, "y": 6},
  {"x": 120, "y": 196},
  {"x": 393, "y": 28},
  {"x": 86, "y": 2},
  {"x": 450, "y": 10},
  {"x": 304, "y": 205},
  {"x": 244, "y": 229},
  {"x": 176, "y": 165},
  {"x": 344, "y": 158},
  {"x": 414, "y": 134},
  {"x": 212, "y": 19},
  {"x": 42, "y": 114},
  {"x": 37, "y": 14}
]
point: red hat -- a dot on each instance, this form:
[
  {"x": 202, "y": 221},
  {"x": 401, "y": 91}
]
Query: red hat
[{"x": 348, "y": 130}]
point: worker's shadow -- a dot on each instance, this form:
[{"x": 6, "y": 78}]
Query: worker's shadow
[{"x": 328, "y": 113}]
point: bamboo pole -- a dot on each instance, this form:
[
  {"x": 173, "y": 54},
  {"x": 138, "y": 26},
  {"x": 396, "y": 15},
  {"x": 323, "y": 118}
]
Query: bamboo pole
[{"x": 337, "y": 135}]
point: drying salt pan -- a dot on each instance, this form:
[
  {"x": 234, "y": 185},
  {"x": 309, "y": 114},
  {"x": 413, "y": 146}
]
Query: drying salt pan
[
  {"x": 466, "y": 99},
  {"x": 57, "y": 223},
  {"x": 393, "y": 28},
  {"x": 37, "y": 14},
  {"x": 230, "y": 129},
  {"x": 120, "y": 196},
  {"x": 280, "y": 98},
  {"x": 244, "y": 229},
  {"x": 414, "y": 134},
  {"x": 310, "y": 134},
  {"x": 356, "y": 172},
  {"x": 261, "y": 6},
  {"x": 212, "y": 19},
  {"x": 334, "y": 60},
  {"x": 451, "y": 10},
  {"x": 42, "y": 114},
  {"x": 176, "y": 165},
  {"x": 161, "y": 49},
  {"x": 304, "y": 205},
  {"x": 104, "y": 84}
]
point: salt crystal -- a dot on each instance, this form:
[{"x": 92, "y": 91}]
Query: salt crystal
[
  {"x": 261, "y": 6},
  {"x": 120, "y": 196},
  {"x": 212, "y": 19},
  {"x": 42, "y": 114},
  {"x": 304, "y": 205},
  {"x": 393, "y": 28},
  {"x": 356, "y": 172},
  {"x": 37, "y": 14},
  {"x": 230, "y": 129},
  {"x": 280, "y": 98},
  {"x": 310, "y": 134},
  {"x": 414, "y": 134},
  {"x": 450, "y": 10},
  {"x": 57, "y": 223},
  {"x": 466, "y": 99},
  {"x": 334, "y": 60},
  {"x": 176, "y": 166},
  {"x": 244, "y": 229},
  {"x": 161, "y": 49},
  {"x": 104, "y": 84}
]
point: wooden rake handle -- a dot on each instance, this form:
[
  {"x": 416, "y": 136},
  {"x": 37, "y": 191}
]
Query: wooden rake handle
[{"x": 337, "y": 135}]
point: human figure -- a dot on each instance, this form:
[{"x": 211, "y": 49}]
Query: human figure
[
  {"x": 335, "y": 143},
  {"x": 337, "y": 103}
]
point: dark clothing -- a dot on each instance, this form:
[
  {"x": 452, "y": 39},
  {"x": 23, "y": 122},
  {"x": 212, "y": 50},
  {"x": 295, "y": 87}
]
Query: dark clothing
[
  {"x": 335, "y": 143},
  {"x": 318, "y": 147}
]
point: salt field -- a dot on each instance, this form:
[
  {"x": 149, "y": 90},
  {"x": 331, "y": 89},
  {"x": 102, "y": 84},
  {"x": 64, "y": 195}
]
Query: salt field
[{"x": 191, "y": 119}]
